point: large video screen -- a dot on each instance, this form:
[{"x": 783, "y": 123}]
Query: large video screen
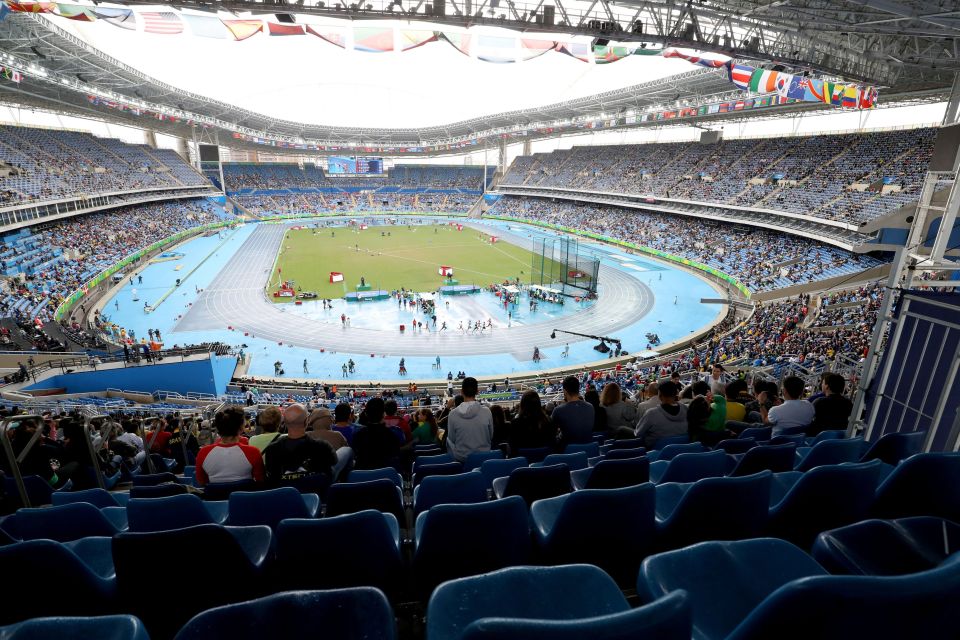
[{"x": 354, "y": 166}]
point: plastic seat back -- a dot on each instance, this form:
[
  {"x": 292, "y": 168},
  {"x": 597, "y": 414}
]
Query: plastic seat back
[
  {"x": 534, "y": 454},
  {"x": 614, "y": 474},
  {"x": 719, "y": 509},
  {"x": 151, "y": 479},
  {"x": 493, "y": 469},
  {"x": 671, "y": 451},
  {"x": 573, "y": 461},
  {"x": 830, "y": 434},
  {"x": 51, "y": 563},
  {"x": 832, "y": 452},
  {"x": 164, "y": 490},
  {"x": 736, "y": 445},
  {"x": 222, "y": 490},
  {"x": 690, "y": 467},
  {"x": 894, "y": 447},
  {"x": 367, "y": 552},
  {"x": 537, "y": 483},
  {"x": 442, "y": 458},
  {"x": 427, "y": 470},
  {"x": 366, "y": 475},
  {"x": 569, "y": 526},
  {"x": 457, "y": 540},
  {"x": 725, "y": 580},
  {"x": 569, "y": 592},
  {"x": 919, "y": 605},
  {"x": 380, "y": 495},
  {"x": 626, "y": 443},
  {"x": 927, "y": 484},
  {"x": 117, "y": 627},
  {"x": 760, "y": 434},
  {"x": 62, "y": 523},
  {"x": 462, "y": 488},
  {"x": 797, "y": 439},
  {"x": 662, "y": 443},
  {"x": 825, "y": 498},
  {"x": 477, "y": 458},
  {"x": 350, "y": 614},
  {"x": 100, "y": 498},
  {"x": 776, "y": 458},
  {"x": 623, "y": 454},
  {"x": 267, "y": 507},
  {"x": 592, "y": 449},
  {"x": 162, "y": 514}
]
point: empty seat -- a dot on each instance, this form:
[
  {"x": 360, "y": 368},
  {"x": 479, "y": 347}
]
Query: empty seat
[
  {"x": 592, "y": 449},
  {"x": 894, "y": 447},
  {"x": 222, "y": 490},
  {"x": 61, "y": 523},
  {"x": 351, "y": 497},
  {"x": 831, "y": 452},
  {"x": 775, "y": 458},
  {"x": 442, "y": 458},
  {"x": 573, "y": 461},
  {"x": 623, "y": 454},
  {"x": 738, "y": 445},
  {"x": 831, "y": 434},
  {"x": 626, "y": 443},
  {"x": 366, "y": 475},
  {"x": 797, "y": 439},
  {"x": 152, "y": 479},
  {"x": 117, "y": 627},
  {"x": 38, "y": 490},
  {"x": 725, "y": 580},
  {"x": 462, "y": 488},
  {"x": 887, "y": 547},
  {"x": 100, "y": 498},
  {"x": 493, "y": 469},
  {"x": 270, "y": 507},
  {"x": 760, "y": 434},
  {"x": 352, "y": 550},
  {"x": 534, "y": 483},
  {"x": 163, "y": 490},
  {"x": 613, "y": 529},
  {"x": 612, "y": 474},
  {"x": 713, "y": 509},
  {"x": 477, "y": 458},
  {"x": 824, "y": 498},
  {"x": 360, "y": 613},
  {"x": 671, "y": 451},
  {"x": 427, "y": 470},
  {"x": 534, "y": 454},
  {"x": 664, "y": 442},
  {"x": 457, "y": 540},
  {"x": 690, "y": 467},
  {"x": 174, "y": 512},
  {"x": 230, "y": 562},
  {"x": 927, "y": 484},
  {"x": 25, "y": 565}
]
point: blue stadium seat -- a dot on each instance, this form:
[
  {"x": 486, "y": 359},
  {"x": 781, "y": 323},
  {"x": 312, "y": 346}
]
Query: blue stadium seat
[
  {"x": 427, "y": 470},
  {"x": 116, "y": 627},
  {"x": 458, "y": 540},
  {"x": 759, "y": 434},
  {"x": 442, "y": 458},
  {"x": 360, "y": 613},
  {"x": 477, "y": 458},
  {"x": 798, "y": 439},
  {"x": 919, "y": 605},
  {"x": 568, "y": 527},
  {"x": 887, "y": 547},
  {"x": 830, "y": 434},
  {"x": 27, "y": 565},
  {"x": 592, "y": 449},
  {"x": 366, "y": 475},
  {"x": 39, "y": 491},
  {"x": 927, "y": 484},
  {"x": 61, "y": 523},
  {"x": 737, "y": 445},
  {"x": 831, "y": 452},
  {"x": 174, "y": 512},
  {"x": 690, "y": 467},
  {"x": 493, "y": 469},
  {"x": 230, "y": 561},
  {"x": 623, "y": 454},
  {"x": 712, "y": 509},
  {"x": 534, "y": 483},
  {"x": 825, "y": 497},
  {"x": 100, "y": 498},
  {"x": 725, "y": 581},
  {"x": 534, "y": 454},
  {"x": 554, "y": 593},
  {"x": 218, "y": 491},
  {"x": 612, "y": 474},
  {"x": 775, "y": 458},
  {"x": 671, "y": 451},
  {"x": 270, "y": 507},
  {"x": 626, "y": 443},
  {"x": 151, "y": 479},
  {"x": 662, "y": 443},
  {"x": 380, "y": 495},
  {"x": 164, "y": 490},
  {"x": 364, "y": 550},
  {"x": 894, "y": 447},
  {"x": 573, "y": 461},
  {"x": 462, "y": 488}
]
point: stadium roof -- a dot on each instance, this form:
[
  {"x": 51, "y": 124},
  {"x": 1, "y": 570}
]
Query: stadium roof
[{"x": 68, "y": 73}]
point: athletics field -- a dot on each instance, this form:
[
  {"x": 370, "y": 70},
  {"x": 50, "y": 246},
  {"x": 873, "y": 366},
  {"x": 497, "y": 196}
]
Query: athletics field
[{"x": 394, "y": 257}]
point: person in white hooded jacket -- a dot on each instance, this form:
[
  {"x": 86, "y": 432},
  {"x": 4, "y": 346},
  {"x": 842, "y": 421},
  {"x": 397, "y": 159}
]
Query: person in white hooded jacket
[{"x": 469, "y": 426}]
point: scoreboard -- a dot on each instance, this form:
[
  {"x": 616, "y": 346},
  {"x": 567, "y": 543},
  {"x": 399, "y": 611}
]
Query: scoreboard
[{"x": 355, "y": 166}]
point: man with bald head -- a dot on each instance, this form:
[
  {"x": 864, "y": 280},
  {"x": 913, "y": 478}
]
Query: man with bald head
[{"x": 295, "y": 456}]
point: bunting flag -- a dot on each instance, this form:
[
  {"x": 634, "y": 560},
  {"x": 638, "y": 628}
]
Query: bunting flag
[
  {"x": 162, "y": 22},
  {"x": 530, "y": 49},
  {"x": 764, "y": 81},
  {"x": 709, "y": 60},
  {"x": 496, "y": 49},
  {"x": 851, "y": 97},
  {"x": 74, "y": 12},
  {"x": 285, "y": 29},
  {"x": 373, "y": 39},
  {"x": 462, "y": 42},
  {"x": 11, "y": 74},
  {"x": 32, "y": 7},
  {"x": 122, "y": 18},
  {"x": 608, "y": 54},
  {"x": 410, "y": 39},
  {"x": 579, "y": 50},
  {"x": 206, "y": 26},
  {"x": 4, "y": 10},
  {"x": 243, "y": 29},
  {"x": 333, "y": 37},
  {"x": 739, "y": 75}
]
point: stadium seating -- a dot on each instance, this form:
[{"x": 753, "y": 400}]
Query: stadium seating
[
  {"x": 116, "y": 627},
  {"x": 461, "y": 488},
  {"x": 895, "y": 447},
  {"x": 923, "y": 485},
  {"x": 775, "y": 458},
  {"x": 690, "y": 467},
  {"x": 173, "y": 512},
  {"x": 534, "y": 483},
  {"x": 248, "y": 508},
  {"x": 612, "y": 473},
  {"x": 61, "y": 523},
  {"x": 380, "y": 495}
]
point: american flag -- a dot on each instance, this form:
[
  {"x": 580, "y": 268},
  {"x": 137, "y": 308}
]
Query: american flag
[{"x": 164, "y": 22}]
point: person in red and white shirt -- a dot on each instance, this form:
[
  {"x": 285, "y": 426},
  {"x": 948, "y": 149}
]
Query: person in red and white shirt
[{"x": 229, "y": 460}]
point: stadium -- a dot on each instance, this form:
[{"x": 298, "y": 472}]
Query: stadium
[{"x": 480, "y": 319}]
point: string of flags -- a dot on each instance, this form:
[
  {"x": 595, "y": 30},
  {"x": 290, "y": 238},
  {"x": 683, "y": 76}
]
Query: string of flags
[
  {"x": 11, "y": 74},
  {"x": 786, "y": 85}
]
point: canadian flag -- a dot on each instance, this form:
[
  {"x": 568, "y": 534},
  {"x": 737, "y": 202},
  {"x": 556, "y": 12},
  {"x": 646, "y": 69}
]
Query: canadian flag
[
  {"x": 336, "y": 276},
  {"x": 445, "y": 271}
]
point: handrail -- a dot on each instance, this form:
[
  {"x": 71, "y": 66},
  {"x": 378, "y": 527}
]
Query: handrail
[
  {"x": 104, "y": 432},
  {"x": 12, "y": 459}
]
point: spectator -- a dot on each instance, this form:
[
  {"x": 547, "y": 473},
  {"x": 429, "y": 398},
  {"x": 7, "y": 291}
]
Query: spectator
[
  {"x": 228, "y": 460},
  {"x": 621, "y": 415},
  {"x": 832, "y": 411},
  {"x": 667, "y": 419},
  {"x": 182, "y": 443},
  {"x": 344, "y": 422},
  {"x": 531, "y": 427},
  {"x": 427, "y": 428},
  {"x": 295, "y": 456},
  {"x": 793, "y": 413},
  {"x": 319, "y": 427},
  {"x": 575, "y": 417},
  {"x": 269, "y": 421},
  {"x": 651, "y": 393},
  {"x": 717, "y": 379},
  {"x": 470, "y": 427},
  {"x": 374, "y": 445},
  {"x": 398, "y": 424}
]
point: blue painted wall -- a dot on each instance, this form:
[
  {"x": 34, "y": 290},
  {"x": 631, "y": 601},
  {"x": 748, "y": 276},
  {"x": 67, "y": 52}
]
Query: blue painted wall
[{"x": 200, "y": 376}]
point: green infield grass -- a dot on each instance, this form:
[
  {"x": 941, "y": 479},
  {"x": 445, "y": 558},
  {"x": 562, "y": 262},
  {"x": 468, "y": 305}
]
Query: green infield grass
[{"x": 395, "y": 257}]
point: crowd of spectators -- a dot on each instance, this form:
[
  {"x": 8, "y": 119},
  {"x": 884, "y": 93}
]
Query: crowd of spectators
[
  {"x": 46, "y": 164},
  {"x": 243, "y": 177},
  {"x": 812, "y": 175},
  {"x": 343, "y": 202},
  {"x": 761, "y": 260}
]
